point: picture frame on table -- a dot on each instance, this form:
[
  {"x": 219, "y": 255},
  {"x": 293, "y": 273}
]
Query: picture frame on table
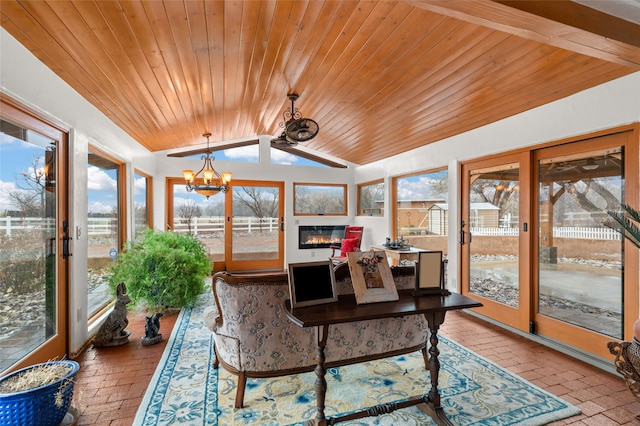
[
  {"x": 371, "y": 277},
  {"x": 312, "y": 283},
  {"x": 430, "y": 273}
]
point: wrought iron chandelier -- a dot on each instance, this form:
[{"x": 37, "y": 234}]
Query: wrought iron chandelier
[{"x": 211, "y": 182}]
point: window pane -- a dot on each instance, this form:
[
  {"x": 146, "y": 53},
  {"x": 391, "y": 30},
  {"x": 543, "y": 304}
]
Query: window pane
[
  {"x": 140, "y": 203},
  {"x": 421, "y": 211},
  {"x": 279, "y": 156},
  {"x": 255, "y": 222},
  {"x": 202, "y": 217},
  {"x": 320, "y": 199},
  {"x": 580, "y": 260},
  {"x": 27, "y": 242},
  {"x": 494, "y": 199},
  {"x": 103, "y": 227},
  {"x": 371, "y": 199}
]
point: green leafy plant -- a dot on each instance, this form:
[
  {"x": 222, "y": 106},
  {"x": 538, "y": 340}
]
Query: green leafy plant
[
  {"x": 623, "y": 222},
  {"x": 163, "y": 268}
]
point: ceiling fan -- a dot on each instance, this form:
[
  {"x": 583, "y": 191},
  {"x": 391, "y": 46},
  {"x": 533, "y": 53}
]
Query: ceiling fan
[{"x": 296, "y": 127}]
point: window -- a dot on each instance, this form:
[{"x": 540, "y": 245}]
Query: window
[
  {"x": 141, "y": 202},
  {"x": 371, "y": 199},
  {"x": 279, "y": 156},
  {"x": 105, "y": 227},
  {"x": 320, "y": 199},
  {"x": 421, "y": 211}
]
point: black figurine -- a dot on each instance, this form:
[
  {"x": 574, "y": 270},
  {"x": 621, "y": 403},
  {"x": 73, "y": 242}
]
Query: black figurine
[{"x": 151, "y": 330}]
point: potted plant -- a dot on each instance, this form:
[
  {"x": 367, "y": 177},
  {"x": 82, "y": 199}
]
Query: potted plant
[
  {"x": 38, "y": 395},
  {"x": 623, "y": 222},
  {"x": 627, "y": 354},
  {"x": 165, "y": 269}
]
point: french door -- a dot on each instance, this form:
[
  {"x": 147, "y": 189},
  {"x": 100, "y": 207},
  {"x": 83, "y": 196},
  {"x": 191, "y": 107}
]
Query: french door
[
  {"x": 33, "y": 239},
  {"x": 254, "y": 232},
  {"x": 242, "y": 229}
]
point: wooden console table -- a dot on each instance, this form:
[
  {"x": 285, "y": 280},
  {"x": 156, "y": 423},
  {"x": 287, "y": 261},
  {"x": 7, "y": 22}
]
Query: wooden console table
[{"x": 433, "y": 307}]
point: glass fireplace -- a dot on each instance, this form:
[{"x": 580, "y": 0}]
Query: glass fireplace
[{"x": 312, "y": 237}]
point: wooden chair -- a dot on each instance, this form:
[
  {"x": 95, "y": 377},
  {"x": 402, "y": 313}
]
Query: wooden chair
[{"x": 350, "y": 242}]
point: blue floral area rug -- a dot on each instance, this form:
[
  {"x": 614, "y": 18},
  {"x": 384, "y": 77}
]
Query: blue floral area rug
[{"x": 187, "y": 390}]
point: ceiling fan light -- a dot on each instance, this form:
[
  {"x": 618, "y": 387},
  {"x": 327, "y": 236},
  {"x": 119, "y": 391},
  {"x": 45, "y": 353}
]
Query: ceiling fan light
[{"x": 591, "y": 164}]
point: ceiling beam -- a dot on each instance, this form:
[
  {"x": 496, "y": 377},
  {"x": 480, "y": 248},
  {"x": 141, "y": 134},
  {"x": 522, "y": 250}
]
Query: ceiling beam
[{"x": 560, "y": 23}]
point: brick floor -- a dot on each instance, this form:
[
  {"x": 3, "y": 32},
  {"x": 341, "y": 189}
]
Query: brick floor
[{"x": 112, "y": 381}]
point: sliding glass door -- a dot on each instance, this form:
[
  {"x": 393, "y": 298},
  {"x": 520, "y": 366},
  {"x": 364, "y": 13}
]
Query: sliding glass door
[
  {"x": 580, "y": 287},
  {"x": 534, "y": 249},
  {"x": 493, "y": 236}
]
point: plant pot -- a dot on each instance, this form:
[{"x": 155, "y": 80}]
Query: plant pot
[{"x": 42, "y": 406}]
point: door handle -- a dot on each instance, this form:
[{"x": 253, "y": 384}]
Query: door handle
[{"x": 65, "y": 247}]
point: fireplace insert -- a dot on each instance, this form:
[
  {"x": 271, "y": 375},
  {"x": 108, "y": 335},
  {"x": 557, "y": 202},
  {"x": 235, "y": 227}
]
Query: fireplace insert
[{"x": 311, "y": 237}]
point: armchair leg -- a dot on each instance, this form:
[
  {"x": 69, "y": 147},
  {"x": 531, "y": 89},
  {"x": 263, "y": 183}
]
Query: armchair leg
[
  {"x": 425, "y": 356},
  {"x": 242, "y": 383}
]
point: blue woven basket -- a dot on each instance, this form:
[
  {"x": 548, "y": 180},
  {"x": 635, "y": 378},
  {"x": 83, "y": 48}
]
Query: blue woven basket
[{"x": 37, "y": 407}]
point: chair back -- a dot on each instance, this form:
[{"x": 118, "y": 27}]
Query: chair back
[{"x": 354, "y": 232}]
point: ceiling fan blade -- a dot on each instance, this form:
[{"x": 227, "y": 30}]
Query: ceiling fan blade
[{"x": 189, "y": 152}]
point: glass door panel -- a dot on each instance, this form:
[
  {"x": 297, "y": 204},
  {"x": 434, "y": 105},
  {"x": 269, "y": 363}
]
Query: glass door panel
[
  {"x": 493, "y": 238},
  {"x": 256, "y": 226},
  {"x": 32, "y": 305},
  {"x": 580, "y": 273},
  {"x": 494, "y": 228},
  {"x": 204, "y": 217}
]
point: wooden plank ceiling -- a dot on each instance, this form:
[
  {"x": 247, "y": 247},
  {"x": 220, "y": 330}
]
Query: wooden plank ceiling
[{"x": 380, "y": 78}]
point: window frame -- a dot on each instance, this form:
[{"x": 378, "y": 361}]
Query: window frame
[
  {"x": 332, "y": 185},
  {"x": 359, "y": 188},
  {"x": 148, "y": 198},
  {"x": 394, "y": 193}
]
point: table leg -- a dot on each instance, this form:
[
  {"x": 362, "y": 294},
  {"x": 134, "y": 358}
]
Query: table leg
[
  {"x": 433, "y": 408},
  {"x": 321, "y": 382}
]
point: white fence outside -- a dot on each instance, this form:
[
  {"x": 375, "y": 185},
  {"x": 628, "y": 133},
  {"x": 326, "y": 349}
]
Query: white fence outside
[
  {"x": 558, "y": 232},
  {"x": 200, "y": 225},
  {"x": 107, "y": 226}
]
